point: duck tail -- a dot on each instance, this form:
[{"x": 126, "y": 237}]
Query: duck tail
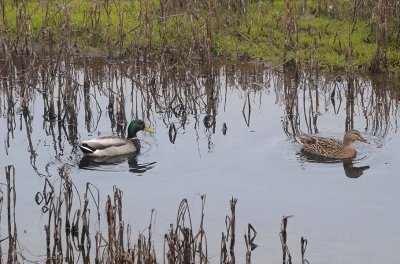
[
  {"x": 299, "y": 139},
  {"x": 86, "y": 149},
  {"x": 304, "y": 139}
]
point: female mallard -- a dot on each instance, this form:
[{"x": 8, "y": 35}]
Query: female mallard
[
  {"x": 332, "y": 148},
  {"x": 115, "y": 145}
]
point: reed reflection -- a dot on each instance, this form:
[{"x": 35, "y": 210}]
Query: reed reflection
[
  {"x": 304, "y": 99},
  {"x": 105, "y": 95},
  {"x": 73, "y": 90}
]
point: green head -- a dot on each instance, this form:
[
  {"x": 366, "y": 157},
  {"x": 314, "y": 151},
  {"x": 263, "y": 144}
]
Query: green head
[{"x": 136, "y": 126}]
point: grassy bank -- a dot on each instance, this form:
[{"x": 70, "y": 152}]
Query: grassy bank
[{"x": 333, "y": 35}]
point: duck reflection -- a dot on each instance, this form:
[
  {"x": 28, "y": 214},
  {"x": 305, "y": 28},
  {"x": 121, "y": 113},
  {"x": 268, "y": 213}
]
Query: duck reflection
[
  {"x": 352, "y": 171},
  {"x": 349, "y": 167},
  {"x": 96, "y": 163}
]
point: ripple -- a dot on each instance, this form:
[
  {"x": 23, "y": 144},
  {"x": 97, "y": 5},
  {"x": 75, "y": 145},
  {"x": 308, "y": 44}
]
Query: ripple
[
  {"x": 121, "y": 163},
  {"x": 291, "y": 150},
  {"x": 353, "y": 168}
]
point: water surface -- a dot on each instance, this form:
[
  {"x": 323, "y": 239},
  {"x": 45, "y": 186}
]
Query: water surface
[{"x": 224, "y": 130}]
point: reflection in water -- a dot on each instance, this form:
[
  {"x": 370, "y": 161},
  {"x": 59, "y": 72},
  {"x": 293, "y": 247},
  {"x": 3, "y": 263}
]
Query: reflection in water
[
  {"x": 105, "y": 162},
  {"x": 351, "y": 171},
  {"x": 349, "y": 167},
  {"x": 105, "y": 95},
  {"x": 311, "y": 96},
  {"x": 135, "y": 167},
  {"x": 49, "y": 104}
]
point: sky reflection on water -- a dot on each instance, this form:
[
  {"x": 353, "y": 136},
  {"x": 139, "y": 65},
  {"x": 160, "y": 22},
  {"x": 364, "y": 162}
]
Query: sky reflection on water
[{"x": 225, "y": 131}]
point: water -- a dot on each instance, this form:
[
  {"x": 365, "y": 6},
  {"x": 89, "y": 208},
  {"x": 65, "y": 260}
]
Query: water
[{"x": 348, "y": 211}]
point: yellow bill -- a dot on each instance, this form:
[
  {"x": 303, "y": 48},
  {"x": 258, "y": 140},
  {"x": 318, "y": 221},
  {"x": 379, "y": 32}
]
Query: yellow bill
[{"x": 149, "y": 129}]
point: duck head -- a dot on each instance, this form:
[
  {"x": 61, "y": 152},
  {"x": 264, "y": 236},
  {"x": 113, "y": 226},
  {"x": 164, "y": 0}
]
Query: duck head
[
  {"x": 353, "y": 135},
  {"x": 136, "y": 126}
]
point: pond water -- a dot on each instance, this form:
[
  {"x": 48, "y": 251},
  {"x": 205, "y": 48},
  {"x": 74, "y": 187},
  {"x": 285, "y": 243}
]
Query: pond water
[{"x": 225, "y": 130}]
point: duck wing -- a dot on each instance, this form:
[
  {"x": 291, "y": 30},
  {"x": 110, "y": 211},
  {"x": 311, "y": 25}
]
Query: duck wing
[
  {"x": 101, "y": 143},
  {"x": 305, "y": 139},
  {"x": 327, "y": 147}
]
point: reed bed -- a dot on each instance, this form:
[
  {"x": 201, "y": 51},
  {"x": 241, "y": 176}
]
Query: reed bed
[
  {"x": 70, "y": 231},
  {"x": 328, "y": 34}
]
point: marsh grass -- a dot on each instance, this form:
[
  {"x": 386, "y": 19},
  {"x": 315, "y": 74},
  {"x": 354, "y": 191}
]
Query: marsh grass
[
  {"x": 335, "y": 34},
  {"x": 70, "y": 231}
]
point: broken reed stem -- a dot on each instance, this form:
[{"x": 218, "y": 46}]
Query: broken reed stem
[
  {"x": 150, "y": 252},
  {"x": 111, "y": 229},
  {"x": 283, "y": 236},
  {"x": 203, "y": 237},
  {"x": 118, "y": 204},
  {"x": 230, "y": 224},
  {"x": 12, "y": 224},
  {"x": 184, "y": 234},
  {"x": 249, "y": 239},
  {"x": 180, "y": 244},
  {"x": 57, "y": 221},
  {"x": 69, "y": 228},
  {"x": 304, "y": 243}
]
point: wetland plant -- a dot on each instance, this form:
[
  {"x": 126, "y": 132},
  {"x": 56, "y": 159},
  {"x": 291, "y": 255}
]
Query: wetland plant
[
  {"x": 68, "y": 237},
  {"x": 331, "y": 34}
]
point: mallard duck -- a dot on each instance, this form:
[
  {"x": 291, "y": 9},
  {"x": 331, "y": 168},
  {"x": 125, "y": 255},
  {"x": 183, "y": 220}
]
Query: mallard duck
[
  {"x": 332, "y": 148},
  {"x": 115, "y": 145}
]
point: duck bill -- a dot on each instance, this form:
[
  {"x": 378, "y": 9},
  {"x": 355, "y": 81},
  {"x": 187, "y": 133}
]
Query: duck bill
[
  {"x": 364, "y": 141},
  {"x": 149, "y": 129}
]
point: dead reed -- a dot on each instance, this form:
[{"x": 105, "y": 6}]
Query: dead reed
[
  {"x": 182, "y": 244},
  {"x": 249, "y": 239},
  {"x": 192, "y": 29},
  {"x": 286, "y": 256},
  {"x": 68, "y": 236},
  {"x": 11, "y": 200},
  {"x": 228, "y": 240}
]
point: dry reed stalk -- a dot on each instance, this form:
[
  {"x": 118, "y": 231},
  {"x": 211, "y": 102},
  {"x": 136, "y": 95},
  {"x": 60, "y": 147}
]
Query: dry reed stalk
[
  {"x": 291, "y": 28},
  {"x": 12, "y": 256},
  {"x": 286, "y": 256},
  {"x": 181, "y": 245},
  {"x": 70, "y": 228},
  {"x": 201, "y": 238},
  {"x": 381, "y": 39},
  {"x": 304, "y": 243},
  {"x": 180, "y": 242},
  {"x": 228, "y": 255},
  {"x": 249, "y": 239}
]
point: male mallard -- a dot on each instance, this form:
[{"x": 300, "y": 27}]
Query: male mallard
[
  {"x": 331, "y": 148},
  {"x": 115, "y": 145}
]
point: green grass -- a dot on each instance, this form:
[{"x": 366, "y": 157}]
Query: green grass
[{"x": 324, "y": 34}]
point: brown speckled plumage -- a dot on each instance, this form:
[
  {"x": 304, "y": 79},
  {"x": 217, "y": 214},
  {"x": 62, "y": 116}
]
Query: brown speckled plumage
[{"x": 331, "y": 148}]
